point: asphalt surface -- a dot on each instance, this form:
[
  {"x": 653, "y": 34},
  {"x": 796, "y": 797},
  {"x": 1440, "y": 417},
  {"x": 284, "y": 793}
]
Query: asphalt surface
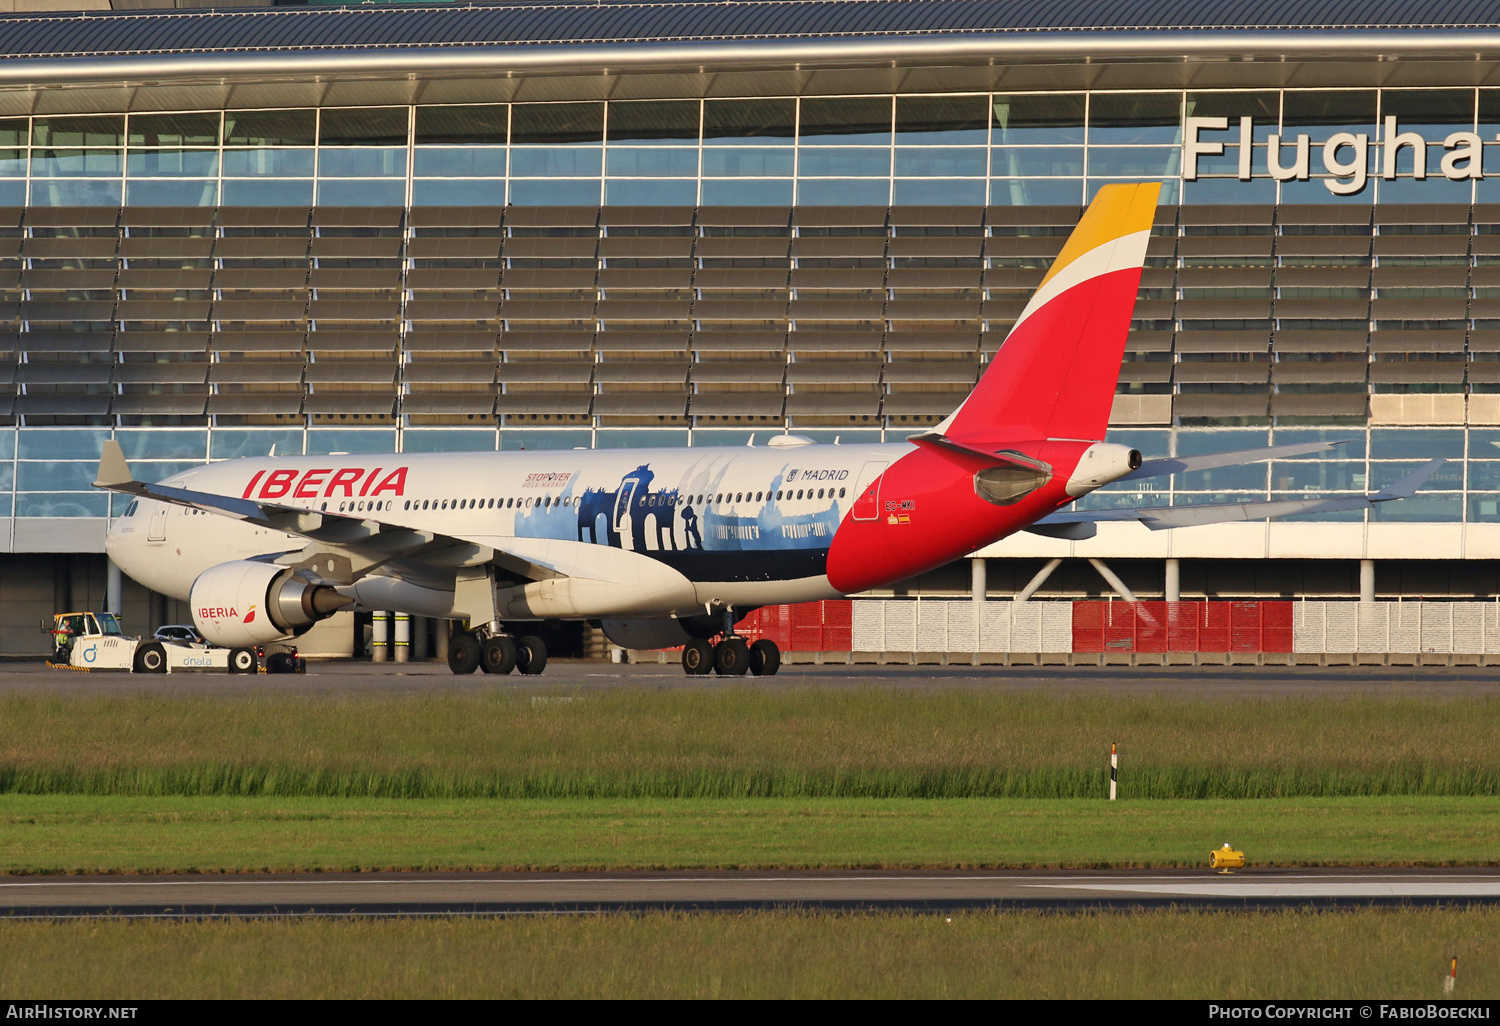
[
  {"x": 349, "y": 677},
  {"x": 409, "y": 894}
]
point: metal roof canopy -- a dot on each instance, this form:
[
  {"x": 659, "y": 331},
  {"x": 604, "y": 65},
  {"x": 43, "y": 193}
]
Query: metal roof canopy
[{"x": 368, "y": 55}]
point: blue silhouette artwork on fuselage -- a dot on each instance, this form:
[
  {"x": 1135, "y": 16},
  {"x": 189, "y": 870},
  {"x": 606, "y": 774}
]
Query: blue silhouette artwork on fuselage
[
  {"x": 623, "y": 517},
  {"x": 632, "y": 514},
  {"x": 690, "y": 534},
  {"x": 770, "y": 526}
]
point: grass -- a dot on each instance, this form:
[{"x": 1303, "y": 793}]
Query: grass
[
  {"x": 1159, "y": 954},
  {"x": 739, "y": 742},
  {"x": 85, "y": 834}
]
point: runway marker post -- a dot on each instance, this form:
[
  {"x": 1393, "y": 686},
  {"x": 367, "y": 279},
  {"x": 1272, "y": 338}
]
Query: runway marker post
[
  {"x": 1114, "y": 770},
  {"x": 1452, "y": 978}
]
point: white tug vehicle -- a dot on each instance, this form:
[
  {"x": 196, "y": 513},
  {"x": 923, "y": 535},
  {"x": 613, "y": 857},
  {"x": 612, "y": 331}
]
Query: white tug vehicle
[{"x": 93, "y": 641}]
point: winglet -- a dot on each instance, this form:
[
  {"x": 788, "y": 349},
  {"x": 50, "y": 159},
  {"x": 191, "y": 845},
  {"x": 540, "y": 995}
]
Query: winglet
[
  {"x": 1408, "y": 485},
  {"x": 114, "y": 473}
]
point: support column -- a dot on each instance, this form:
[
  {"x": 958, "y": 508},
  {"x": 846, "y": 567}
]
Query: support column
[
  {"x": 441, "y": 631},
  {"x": 403, "y": 637},
  {"x": 379, "y": 641},
  {"x": 420, "y": 649},
  {"x": 1112, "y": 580},
  {"x": 113, "y": 589},
  {"x": 1174, "y": 581},
  {"x": 979, "y": 585},
  {"x": 1367, "y": 580},
  {"x": 1039, "y": 580}
]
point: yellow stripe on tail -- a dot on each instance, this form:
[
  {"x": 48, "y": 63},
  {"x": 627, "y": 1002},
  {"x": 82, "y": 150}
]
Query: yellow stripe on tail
[{"x": 1117, "y": 211}]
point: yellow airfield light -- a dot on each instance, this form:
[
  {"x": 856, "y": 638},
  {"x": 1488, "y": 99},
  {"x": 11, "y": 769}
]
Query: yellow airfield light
[{"x": 1225, "y": 859}]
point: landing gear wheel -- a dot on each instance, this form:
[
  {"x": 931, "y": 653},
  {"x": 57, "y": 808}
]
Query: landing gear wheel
[
  {"x": 731, "y": 657},
  {"x": 242, "y": 660},
  {"x": 765, "y": 658},
  {"x": 463, "y": 654},
  {"x": 150, "y": 658},
  {"x": 697, "y": 657},
  {"x": 497, "y": 655},
  {"x": 531, "y": 655},
  {"x": 281, "y": 662}
]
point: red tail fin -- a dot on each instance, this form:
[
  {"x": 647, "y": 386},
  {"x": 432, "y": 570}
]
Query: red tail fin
[{"x": 1055, "y": 374}]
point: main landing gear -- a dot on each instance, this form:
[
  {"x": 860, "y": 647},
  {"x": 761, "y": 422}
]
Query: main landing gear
[
  {"x": 732, "y": 656},
  {"x": 496, "y": 653}
]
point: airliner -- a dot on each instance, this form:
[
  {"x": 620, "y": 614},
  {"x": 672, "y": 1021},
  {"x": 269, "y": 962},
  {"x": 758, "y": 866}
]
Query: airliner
[{"x": 673, "y": 547}]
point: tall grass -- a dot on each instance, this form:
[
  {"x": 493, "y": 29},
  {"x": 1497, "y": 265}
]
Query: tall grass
[
  {"x": 739, "y": 743},
  {"x": 1162, "y": 954}
]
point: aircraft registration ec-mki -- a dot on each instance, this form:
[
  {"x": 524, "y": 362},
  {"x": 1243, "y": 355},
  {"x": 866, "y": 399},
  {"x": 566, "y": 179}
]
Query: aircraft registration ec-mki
[{"x": 673, "y": 546}]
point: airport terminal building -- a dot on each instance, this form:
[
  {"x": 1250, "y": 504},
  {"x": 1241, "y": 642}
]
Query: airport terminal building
[{"x": 318, "y": 228}]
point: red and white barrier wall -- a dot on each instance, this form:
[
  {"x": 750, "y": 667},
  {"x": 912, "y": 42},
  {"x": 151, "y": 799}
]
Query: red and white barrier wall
[{"x": 947, "y": 625}]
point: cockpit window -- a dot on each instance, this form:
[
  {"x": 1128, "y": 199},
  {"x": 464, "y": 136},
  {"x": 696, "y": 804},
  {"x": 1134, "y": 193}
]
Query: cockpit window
[{"x": 130, "y": 509}]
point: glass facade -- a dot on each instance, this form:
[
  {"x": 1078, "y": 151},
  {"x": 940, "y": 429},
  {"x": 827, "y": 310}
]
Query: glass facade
[
  {"x": 964, "y": 149},
  {"x": 46, "y": 472},
  {"x": 665, "y": 272}
]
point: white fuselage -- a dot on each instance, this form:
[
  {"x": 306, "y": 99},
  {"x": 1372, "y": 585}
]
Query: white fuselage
[{"x": 746, "y": 525}]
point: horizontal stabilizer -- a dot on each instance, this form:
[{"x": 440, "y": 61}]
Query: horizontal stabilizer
[
  {"x": 1162, "y": 518},
  {"x": 1213, "y": 460},
  {"x": 1078, "y": 531},
  {"x": 943, "y": 445},
  {"x": 1408, "y": 485}
]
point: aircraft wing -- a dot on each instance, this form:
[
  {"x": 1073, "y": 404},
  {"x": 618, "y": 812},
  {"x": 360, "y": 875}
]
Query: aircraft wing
[
  {"x": 1077, "y": 524},
  {"x": 341, "y": 548}
]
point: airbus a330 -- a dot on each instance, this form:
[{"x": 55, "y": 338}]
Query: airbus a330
[{"x": 667, "y": 547}]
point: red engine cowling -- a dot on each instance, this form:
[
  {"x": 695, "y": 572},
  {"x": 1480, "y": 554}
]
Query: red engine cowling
[{"x": 248, "y": 603}]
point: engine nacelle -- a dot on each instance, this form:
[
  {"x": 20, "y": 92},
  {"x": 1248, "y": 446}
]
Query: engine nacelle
[
  {"x": 249, "y": 603},
  {"x": 1100, "y": 464},
  {"x": 664, "y": 631}
]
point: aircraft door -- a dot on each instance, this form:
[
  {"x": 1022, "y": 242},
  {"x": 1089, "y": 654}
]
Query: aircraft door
[
  {"x": 158, "y": 529},
  {"x": 867, "y": 490},
  {"x": 623, "y": 501}
]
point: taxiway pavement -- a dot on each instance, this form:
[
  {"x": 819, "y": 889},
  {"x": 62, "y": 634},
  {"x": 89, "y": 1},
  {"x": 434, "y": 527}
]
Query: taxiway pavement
[
  {"x": 412, "y": 894},
  {"x": 577, "y": 676}
]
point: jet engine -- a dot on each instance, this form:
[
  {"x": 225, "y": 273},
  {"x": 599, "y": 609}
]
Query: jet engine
[
  {"x": 1100, "y": 464},
  {"x": 249, "y": 603},
  {"x": 664, "y": 631}
]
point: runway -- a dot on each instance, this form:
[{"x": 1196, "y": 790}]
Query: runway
[
  {"x": 408, "y": 894},
  {"x": 577, "y": 677}
]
